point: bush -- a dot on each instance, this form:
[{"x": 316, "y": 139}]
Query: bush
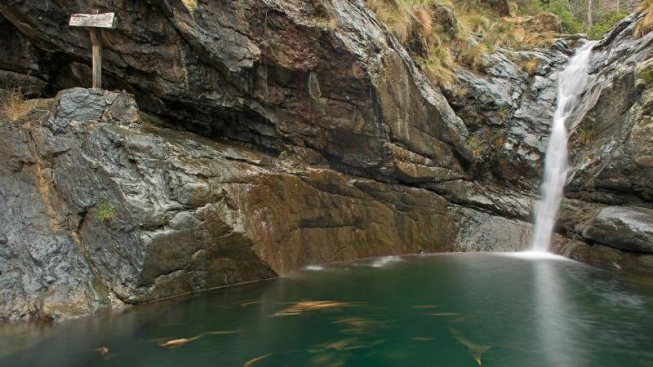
[
  {"x": 569, "y": 23},
  {"x": 530, "y": 7}
]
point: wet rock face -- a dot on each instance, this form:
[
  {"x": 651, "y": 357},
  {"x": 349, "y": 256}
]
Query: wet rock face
[
  {"x": 612, "y": 160},
  {"x": 101, "y": 210},
  {"x": 508, "y": 110},
  {"x": 97, "y": 217},
  {"x": 320, "y": 78}
]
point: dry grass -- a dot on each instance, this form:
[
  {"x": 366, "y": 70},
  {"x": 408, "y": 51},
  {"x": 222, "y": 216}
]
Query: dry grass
[
  {"x": 645, "y": 25},
  {"x": 530, "y": 66},
  {"x": 478, "y": 32},
  {"x": 438, "y": 66},
  {"x": 13, "y": 104}
]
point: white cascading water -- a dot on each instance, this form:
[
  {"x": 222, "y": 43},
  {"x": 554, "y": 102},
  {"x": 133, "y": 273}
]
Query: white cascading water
[{"x": 571, "y": 83}]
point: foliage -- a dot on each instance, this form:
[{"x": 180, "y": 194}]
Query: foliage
[
  {"x": 105, "y": 211},
  {"x": 646, "y": 76},
  {"x": 13, "y": 104},
  {"x": 561, "y": 8},
  {"x": 604, "y": 22},
  {"x": 530, "y": 7}
]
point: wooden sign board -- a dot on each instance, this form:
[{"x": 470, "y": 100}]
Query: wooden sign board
[{"x": 106, "y": 20}]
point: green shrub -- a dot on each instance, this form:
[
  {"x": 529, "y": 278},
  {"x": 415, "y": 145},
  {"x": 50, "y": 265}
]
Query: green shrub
[
  {"x": 569, "y": 23},
  {"x": 530, "y": 7}
]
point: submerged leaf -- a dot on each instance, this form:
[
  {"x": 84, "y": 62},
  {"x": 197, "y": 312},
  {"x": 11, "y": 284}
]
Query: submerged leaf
[
  {"x": 250, "y": 303},
  {"x": 179, "y": 342},
  {"x": 104, "y": 351},
  {"x": 257, "y": 359},
  {"x": 476, "y": 350},
  {"x": 305, "y": 306}
]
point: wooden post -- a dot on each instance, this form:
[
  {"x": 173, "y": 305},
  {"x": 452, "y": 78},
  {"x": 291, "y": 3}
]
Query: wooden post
[
  {"x": 96, "y": 45},
  {"x": 95, "y": 21}
]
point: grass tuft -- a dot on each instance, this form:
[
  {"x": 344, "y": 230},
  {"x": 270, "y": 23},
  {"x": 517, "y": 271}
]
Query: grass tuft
[
  {"x": 13, "y": 104},
  {"x": 530, "y": 66}
]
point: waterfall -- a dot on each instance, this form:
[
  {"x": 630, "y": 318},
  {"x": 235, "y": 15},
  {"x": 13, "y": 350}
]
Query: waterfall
[{"x": 571, "y": 83}]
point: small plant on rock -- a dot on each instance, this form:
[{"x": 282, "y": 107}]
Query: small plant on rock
[
  {"x": 105, "y": 211},
  {"x": 476, "y": 145},
  {"x": 586, "y": 134}
]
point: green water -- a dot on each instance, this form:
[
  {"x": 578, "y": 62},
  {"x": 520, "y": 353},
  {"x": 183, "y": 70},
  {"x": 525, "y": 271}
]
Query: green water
[{"x": 445, "y": 310}]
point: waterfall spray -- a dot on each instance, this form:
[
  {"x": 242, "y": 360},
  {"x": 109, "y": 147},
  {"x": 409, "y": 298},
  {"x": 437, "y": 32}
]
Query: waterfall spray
[{"x": 571, "y": 83}]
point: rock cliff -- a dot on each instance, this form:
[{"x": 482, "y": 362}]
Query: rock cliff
[{"x": 256, "y": 137}]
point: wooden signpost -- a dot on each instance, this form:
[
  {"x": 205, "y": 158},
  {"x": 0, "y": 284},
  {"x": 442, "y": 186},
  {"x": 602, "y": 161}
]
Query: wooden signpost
[{"x": 95, "y": 21}]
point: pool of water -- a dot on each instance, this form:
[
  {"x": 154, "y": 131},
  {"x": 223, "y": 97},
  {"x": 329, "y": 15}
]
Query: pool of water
[{"x": 443, "y": 310}]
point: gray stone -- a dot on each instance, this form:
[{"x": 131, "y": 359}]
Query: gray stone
[{"x": 625, "y": 228}]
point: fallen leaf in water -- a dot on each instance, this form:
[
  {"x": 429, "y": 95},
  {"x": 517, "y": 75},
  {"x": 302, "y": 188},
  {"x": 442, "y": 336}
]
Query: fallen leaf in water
[
  {"x": 422, "y": 307},
  {"x": 254, "y": 360},
  {"x": 305, "y": 306},
  {"x": 476, "y": 350},
  {"x": 443, "y": 314},
  {"x": 104, "y": 351},
  {"x": 422, "y": 339},
  {"x": 358, "y": 325},
  {"x": 250, "y": 303},
  {"x": 358, "y": 322},
  {"x": 227, "y": 332},
  {"x": 179, "y": 342}
]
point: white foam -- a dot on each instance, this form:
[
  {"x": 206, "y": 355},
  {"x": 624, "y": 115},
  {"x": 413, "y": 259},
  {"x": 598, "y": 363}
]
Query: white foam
[
  {"x": 314, "y": 268},
  {"x": 383, "y": 261},
  {"x": 535, "y": 255}
]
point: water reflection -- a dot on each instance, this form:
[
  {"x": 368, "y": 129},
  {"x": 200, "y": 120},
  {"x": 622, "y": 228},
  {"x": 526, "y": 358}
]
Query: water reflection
[{"x": 555, "y": 314}]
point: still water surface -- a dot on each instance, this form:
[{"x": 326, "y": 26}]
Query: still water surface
[{"x": 444, "y": 310}]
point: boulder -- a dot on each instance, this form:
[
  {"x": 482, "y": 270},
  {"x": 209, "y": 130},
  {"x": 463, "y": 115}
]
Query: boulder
[
  {"x": 542, "y": 23},
  {"x": 624, "y": 228}
]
